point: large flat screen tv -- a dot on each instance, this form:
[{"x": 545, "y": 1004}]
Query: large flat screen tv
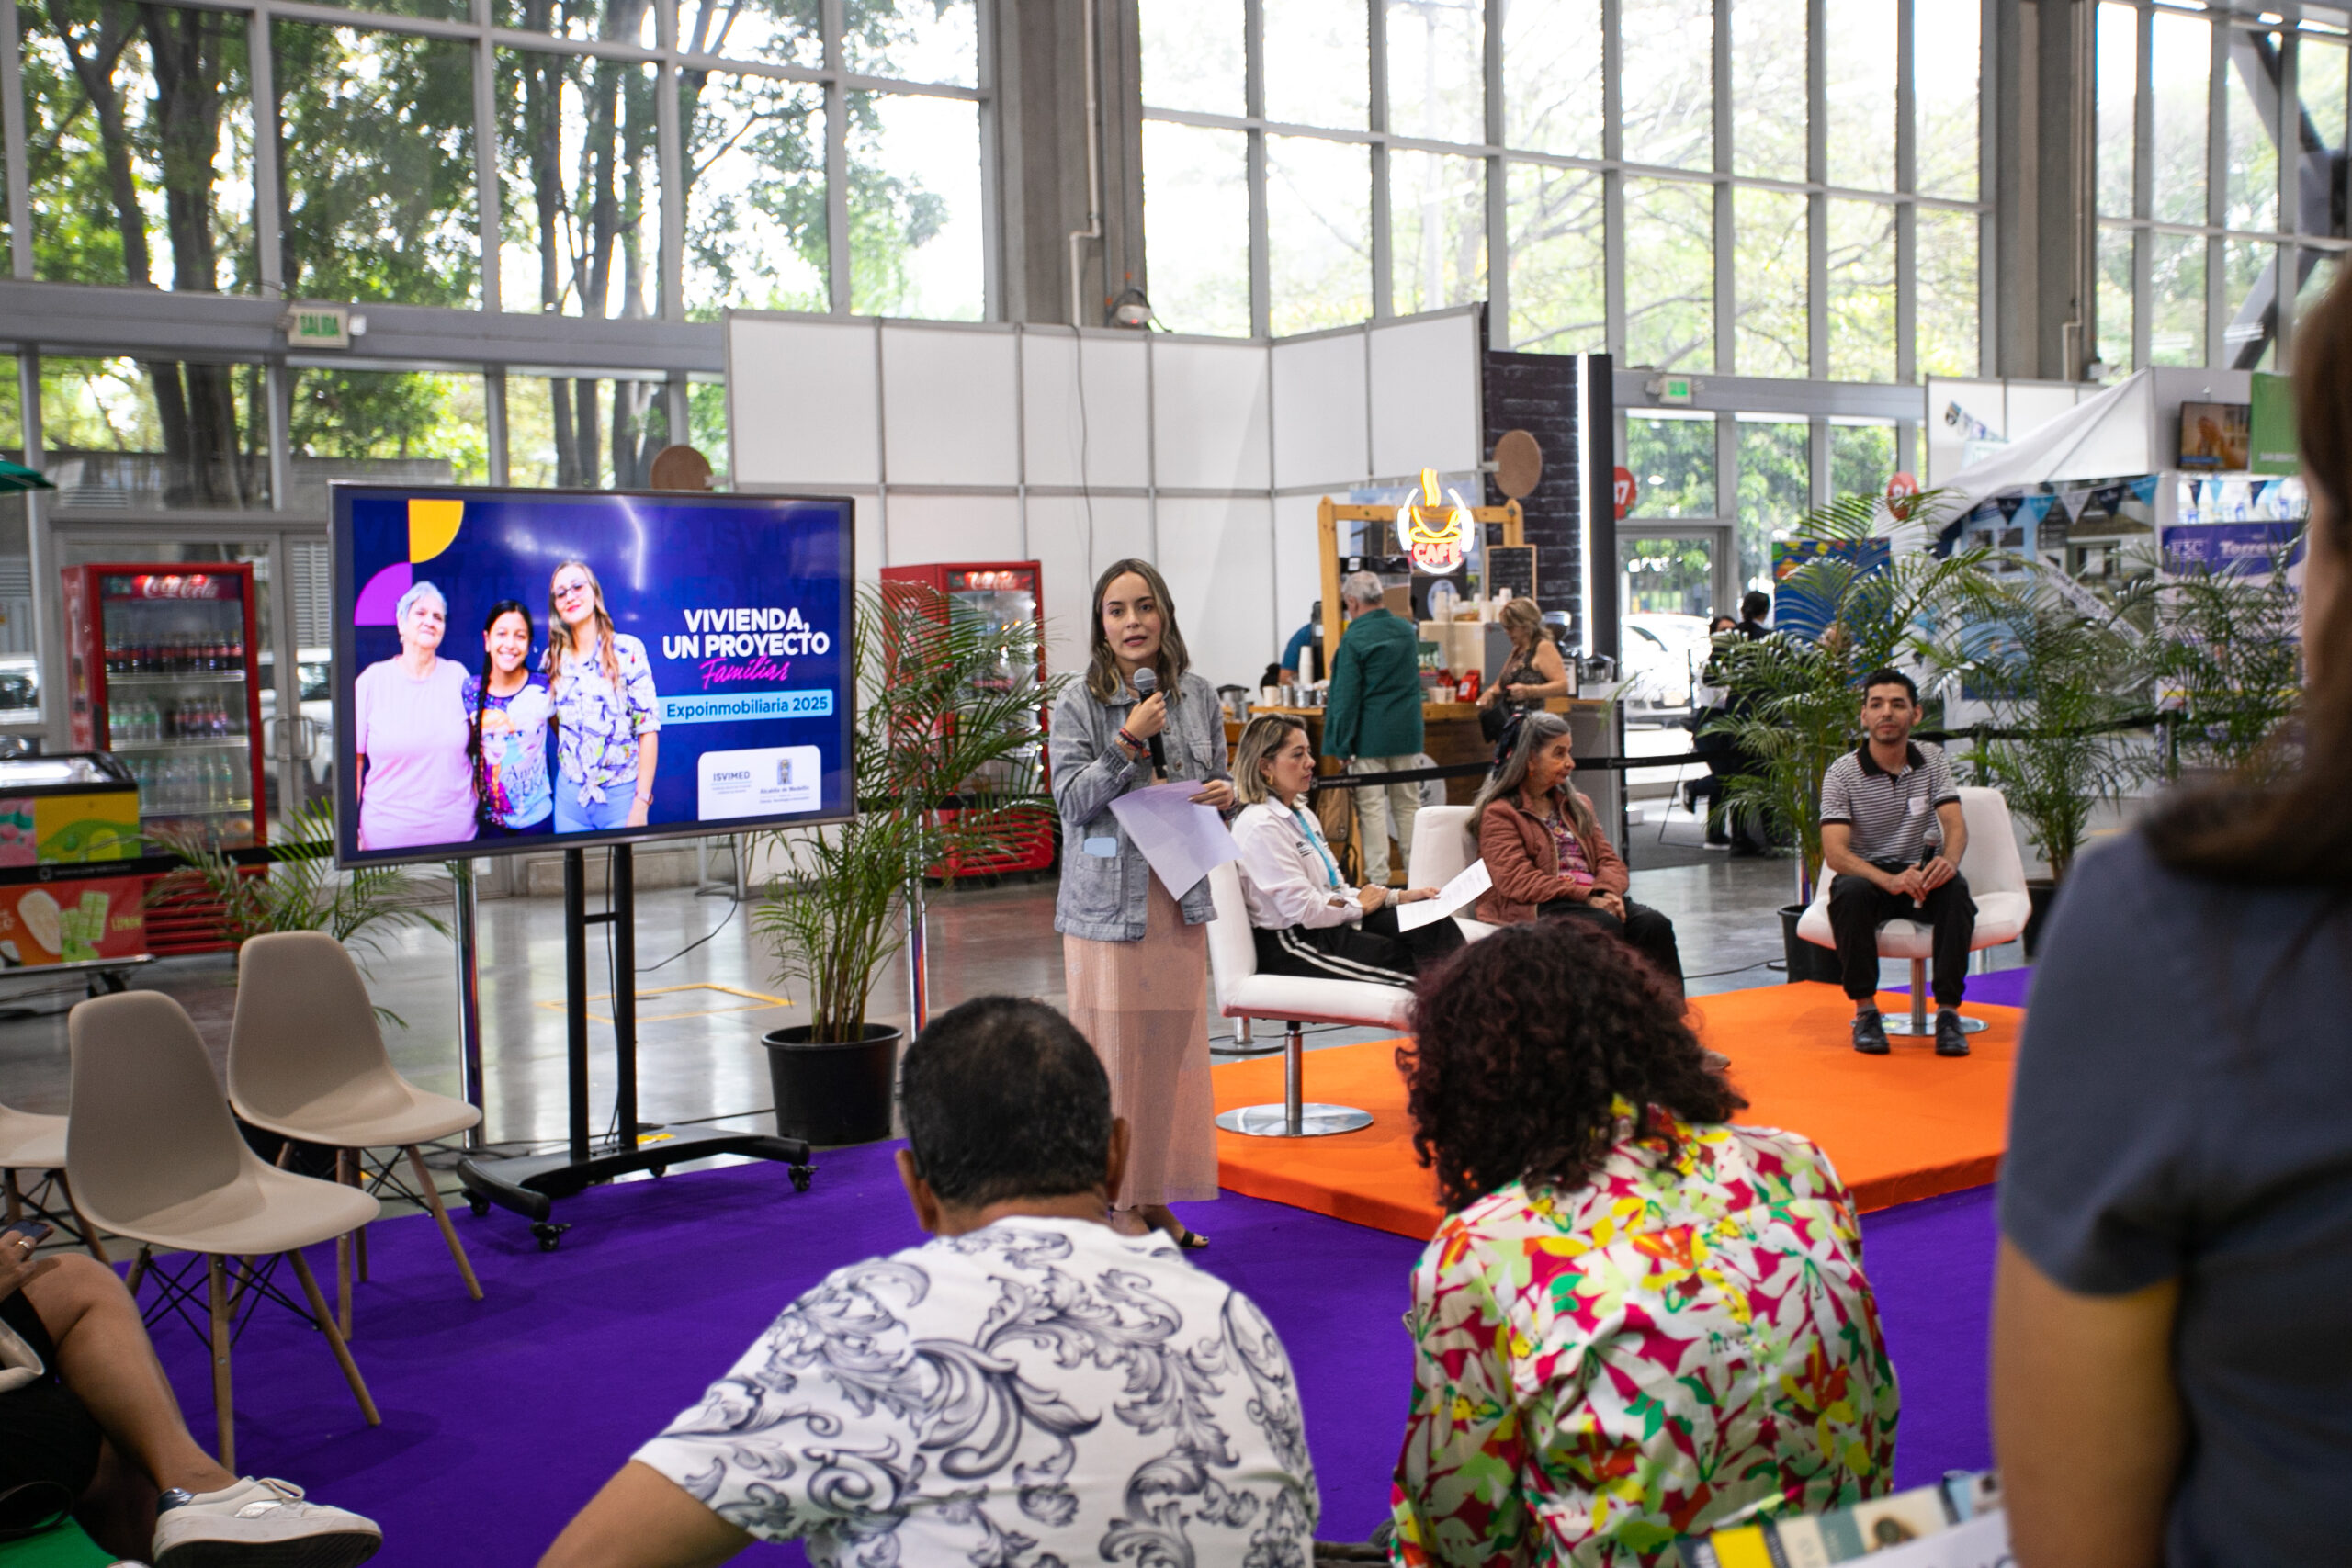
[{"x": 529, "y": 668}]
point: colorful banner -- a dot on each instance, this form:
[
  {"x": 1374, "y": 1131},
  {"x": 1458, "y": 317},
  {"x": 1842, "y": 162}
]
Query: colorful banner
[{"x": 71, "y": 922}]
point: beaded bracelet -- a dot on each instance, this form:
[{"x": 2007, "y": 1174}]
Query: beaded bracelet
[{"x": 1131, "y": 743}]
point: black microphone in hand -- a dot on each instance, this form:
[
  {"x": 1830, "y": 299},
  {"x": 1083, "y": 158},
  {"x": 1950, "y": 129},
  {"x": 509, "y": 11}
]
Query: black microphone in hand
[{"x": 1148, "y": 682}]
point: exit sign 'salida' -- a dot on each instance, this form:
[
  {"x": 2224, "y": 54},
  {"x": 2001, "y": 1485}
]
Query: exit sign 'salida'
[{"x": 317, "y": 326}]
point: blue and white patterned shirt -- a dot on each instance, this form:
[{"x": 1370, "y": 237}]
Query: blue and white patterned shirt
[{"x": 1040, "y": 1394}]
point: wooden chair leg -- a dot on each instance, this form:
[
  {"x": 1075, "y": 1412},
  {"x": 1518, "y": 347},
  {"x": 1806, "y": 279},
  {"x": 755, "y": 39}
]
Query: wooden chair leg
[
  {"x": 342, "y": 1254},
  {"x": 359, "y": 1236},
  {"x": 217, "y": 1289},
  {"x": 138, "y": 1272},
  {"x": 426, "y": 1185},
  {"x": 16, "y": 1198},
  {"x": 317, "y": 1300},
  {"x": 89, "y": 1231}
]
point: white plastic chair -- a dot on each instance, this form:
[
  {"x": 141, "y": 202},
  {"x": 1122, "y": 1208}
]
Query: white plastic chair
[
  {"x": 31, "y": 1142},
  {"x": 1444, "y": 843},
  {"x": 1296, "y": 1000},
  {"x": 154, "y": 1156},
  {"x": 306, "y": 1062},
  {"x": 1996, "y": 875}
]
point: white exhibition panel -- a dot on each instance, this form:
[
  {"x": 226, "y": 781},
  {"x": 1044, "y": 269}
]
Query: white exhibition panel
[
  {"x": 802, "y": 402},
  {"x": 1209, "y": 415},
  {"x": 1947, "y": 445},
  {"x": 951, "y": 527},
  {"x": 1425, "y": 394},
  {"x": 1298, "y": 562},
  {"x": 2034, "y": 404},
  {"x": 1217, "y": 556},
  {"x": 1060, "y": 543},
  {"x": 1321, "y": 418},
  {"x": 1107, "y": 446},
  {"x": 950, "y": 407}
]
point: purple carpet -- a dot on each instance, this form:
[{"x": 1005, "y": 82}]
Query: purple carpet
[
  {"x": 2001, "y": 988},
  {"x": 502, "y": 1417}
]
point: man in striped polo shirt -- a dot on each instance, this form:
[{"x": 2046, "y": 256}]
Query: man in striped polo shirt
[{"x": 1892, "y": 835}]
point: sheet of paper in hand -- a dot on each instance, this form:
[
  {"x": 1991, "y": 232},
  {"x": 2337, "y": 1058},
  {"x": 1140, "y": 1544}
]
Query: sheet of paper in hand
[
  {"x": 1183, "y": 841},
  {"x": 1458, "y": 894}
]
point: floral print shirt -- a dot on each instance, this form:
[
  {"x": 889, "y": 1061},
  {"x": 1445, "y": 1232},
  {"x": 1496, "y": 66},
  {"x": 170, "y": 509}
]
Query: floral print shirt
[
  {"x": 597, "y": 722},
  {"x": 1686, "y": 1337}
]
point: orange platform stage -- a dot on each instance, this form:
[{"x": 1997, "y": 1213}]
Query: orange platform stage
[{"x": 1900, "y": 1127}]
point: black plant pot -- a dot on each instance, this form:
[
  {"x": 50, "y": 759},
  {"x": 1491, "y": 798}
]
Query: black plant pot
[
  {"x": 2041, "y": 891},
  {"x": 833, "y": 1093},
  {"x": 1806, "y": 962}
]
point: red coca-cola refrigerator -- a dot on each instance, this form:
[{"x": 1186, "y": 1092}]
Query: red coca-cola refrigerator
[
  {"x": 162, "y": 670},
  {"x": 1005, "y": 592}
]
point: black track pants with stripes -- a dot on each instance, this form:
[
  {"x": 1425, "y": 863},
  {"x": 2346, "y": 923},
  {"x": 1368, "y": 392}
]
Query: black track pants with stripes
[{"x": 1375, "y": 952}]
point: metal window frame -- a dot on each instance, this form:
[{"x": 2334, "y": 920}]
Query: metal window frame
[{"x": 2287, "y": 238}]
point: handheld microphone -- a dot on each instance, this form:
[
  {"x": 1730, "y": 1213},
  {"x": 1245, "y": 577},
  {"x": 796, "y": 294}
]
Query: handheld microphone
[{"x": 1146, "y": 683}]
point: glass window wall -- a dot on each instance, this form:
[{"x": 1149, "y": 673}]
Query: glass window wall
[
  {"x": 1605, "y": 236},
  {"x": 2195, "y": 204}
]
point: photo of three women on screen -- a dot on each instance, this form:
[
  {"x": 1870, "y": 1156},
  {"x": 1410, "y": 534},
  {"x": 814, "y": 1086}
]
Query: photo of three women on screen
[{"x": 563, "y": 743}]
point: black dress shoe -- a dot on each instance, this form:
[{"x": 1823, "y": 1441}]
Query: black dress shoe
[
  {"x": 1950, "y": 1039},
  {"x": 1869, "y": 1033}
]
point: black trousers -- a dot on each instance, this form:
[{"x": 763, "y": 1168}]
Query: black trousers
[
  {"x": 46, "y": 1434},
  {"x": 1858, "y": 907},
  {"x": 1649, "y": 933},
  {"x": 1372, "y": 951}
]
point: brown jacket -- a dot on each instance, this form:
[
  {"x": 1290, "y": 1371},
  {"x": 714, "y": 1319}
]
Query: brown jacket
[{"x": 1525, "y": 866}]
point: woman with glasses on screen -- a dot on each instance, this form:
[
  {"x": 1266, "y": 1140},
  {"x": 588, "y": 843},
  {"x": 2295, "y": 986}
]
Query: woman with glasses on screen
[
  {"x": 507, "y": 707},
  {"x": 606, "y": 716},
  {"x": 416, "y": 782}
]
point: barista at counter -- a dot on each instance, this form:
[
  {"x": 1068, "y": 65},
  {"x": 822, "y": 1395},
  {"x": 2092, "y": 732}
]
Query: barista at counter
[
  {"x": 1534, "y": 670},
  {"x": 1304, "y": 652}
]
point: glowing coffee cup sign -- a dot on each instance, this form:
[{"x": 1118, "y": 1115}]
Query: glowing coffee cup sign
[{"x": 1436, "y": 536}]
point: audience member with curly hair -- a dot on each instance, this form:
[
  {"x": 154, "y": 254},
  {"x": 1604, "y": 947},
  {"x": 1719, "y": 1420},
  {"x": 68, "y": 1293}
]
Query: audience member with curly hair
[{"x": 1636, "y": 1319}]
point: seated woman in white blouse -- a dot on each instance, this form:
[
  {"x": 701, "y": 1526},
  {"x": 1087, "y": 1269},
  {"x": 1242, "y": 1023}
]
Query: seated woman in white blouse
[{"x": 1309, "y": 921}]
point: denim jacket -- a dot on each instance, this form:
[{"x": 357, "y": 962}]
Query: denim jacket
[{"x": 1105, "y": 884}]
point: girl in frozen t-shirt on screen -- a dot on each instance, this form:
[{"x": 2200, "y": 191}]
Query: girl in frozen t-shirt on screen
[{"x": 509, "y": 706}]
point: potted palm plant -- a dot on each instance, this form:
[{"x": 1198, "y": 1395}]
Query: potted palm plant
[
  {"x": 2225, "y": 656},
  {"x": 1794, "y": 701},
  {"x": 949, "y": 766},
  {"x": 300, "y": 890},
  {"x": 2058, "y": 680}
]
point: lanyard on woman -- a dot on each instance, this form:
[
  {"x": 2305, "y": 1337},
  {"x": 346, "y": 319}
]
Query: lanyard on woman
[{"x": 1330, "y": 871}]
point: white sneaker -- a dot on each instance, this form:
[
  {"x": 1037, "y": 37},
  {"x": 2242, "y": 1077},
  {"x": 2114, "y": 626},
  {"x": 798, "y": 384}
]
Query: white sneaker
[{"x": 259, "y": 1524}]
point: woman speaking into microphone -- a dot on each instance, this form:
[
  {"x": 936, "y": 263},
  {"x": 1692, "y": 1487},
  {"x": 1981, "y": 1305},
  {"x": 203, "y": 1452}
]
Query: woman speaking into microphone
[{"x": 1134, "y": 950}]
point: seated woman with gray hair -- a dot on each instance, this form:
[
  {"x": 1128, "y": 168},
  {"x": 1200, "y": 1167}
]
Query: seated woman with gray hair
[
  {"x": 412, "y": 733},
  {"x": 1306, "y": 920},
  {"x": 1546, "y": 854}
]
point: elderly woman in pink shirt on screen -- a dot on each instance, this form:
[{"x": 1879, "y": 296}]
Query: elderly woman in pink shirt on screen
[{"x": 416, "y": 782}]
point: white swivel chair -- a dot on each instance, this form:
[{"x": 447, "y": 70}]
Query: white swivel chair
[
  {"x": 1995, "y": 874},
  {"x": 1242, "y": 992},
  {"x": 1443, "y": 846}
]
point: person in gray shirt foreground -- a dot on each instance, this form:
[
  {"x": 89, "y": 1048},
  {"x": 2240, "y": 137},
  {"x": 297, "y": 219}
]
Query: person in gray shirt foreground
[{"x": 2172, "y": 1377}]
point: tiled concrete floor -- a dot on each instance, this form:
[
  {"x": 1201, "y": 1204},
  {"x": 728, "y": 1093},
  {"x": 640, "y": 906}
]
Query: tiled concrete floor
[{"x": 698, "y": 1053}]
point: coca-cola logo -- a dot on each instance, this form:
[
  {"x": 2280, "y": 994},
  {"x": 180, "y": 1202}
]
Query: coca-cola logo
[{"x": 177, "y": 585}]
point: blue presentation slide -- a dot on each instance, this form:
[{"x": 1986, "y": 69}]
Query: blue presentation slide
[{"x": 517, "y": 665}]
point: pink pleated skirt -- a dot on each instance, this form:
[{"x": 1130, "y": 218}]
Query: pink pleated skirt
[{"x": 1143, "y": 1005}]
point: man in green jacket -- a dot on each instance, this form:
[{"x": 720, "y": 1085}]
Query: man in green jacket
[{"x": 1373, "y": 722}]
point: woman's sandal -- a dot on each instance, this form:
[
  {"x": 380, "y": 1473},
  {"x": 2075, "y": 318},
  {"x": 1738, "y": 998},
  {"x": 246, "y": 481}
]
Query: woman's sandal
[{"x": 1192, "y": 1240}]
